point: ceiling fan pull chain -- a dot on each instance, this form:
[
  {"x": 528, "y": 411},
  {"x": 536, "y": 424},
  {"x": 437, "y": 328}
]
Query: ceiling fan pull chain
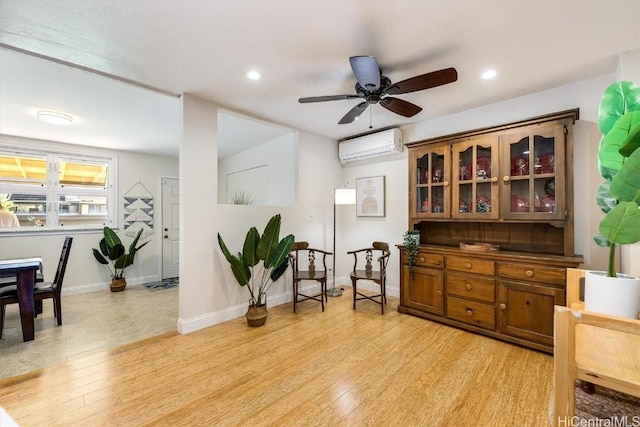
[{"x": 370, "y": 121}]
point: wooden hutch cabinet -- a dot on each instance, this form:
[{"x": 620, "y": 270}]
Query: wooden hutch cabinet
[{"x": 511, "y": 186}]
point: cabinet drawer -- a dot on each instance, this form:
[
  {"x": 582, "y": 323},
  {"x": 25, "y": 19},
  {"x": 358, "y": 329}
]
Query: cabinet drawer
[
  {"x": 474, "y": 287},
  {"x": 529, "y": 273},
  {"x": 471, "y": 312},
  {"x": 429, "y": 260},
  {"x": 471, "y": 265}
]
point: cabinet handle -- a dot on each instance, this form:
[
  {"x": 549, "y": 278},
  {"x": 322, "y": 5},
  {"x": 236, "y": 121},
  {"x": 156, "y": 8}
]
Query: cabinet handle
[
  {"x": 503, "y": 306},
  {"x": 421, "y": 259},
  {"x": 439, "y": 292},
  {"x": 468, "y": 265},
  {"x": 529, "y": 273},
  {"x": 494, "y": 179},
  {"x": 469, "y": 312},
  {"x": 446, "y": 183},
  {"x": 506, "y": 178},
  {"x": 468, "y": 286}
]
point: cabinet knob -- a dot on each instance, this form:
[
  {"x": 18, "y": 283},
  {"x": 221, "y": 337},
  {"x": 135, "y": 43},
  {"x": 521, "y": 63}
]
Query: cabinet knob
[
  {"x": 528, "y": 273},
  {"x": 468, "y": 286},
  {"x": 439, "y": 292},
  {"x": 506, "y": 178},
  {"x": 421, "y": 259},
  {"x": 494, "y": 179},
  {"x": 503, "y": 306},
  {"x": 469, "y": 312},
  {"x": 468, "y": 265},
  {"x": 446, "y": 183}
]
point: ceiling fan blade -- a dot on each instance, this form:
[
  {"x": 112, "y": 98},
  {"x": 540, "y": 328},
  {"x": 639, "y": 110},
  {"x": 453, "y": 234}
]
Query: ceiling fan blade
[
  {"x": 400, "y": 106},
  {"x": 354, "y": 113},
  {"x": 326, "y": 98},
  {"x": 424, "y": 81},
  {"x": 367, "y": 71}
]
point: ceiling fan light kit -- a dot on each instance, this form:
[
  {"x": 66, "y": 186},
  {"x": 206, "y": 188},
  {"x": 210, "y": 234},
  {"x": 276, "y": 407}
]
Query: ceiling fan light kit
[{"x": 374, "y": 88}]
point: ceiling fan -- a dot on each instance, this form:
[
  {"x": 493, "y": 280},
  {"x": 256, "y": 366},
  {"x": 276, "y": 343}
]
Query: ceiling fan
[{"x": 374, "y": 88}]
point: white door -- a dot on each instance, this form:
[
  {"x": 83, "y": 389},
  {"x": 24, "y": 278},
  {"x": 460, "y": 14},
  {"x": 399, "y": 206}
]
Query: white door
[{"x": 170, "y": 227}]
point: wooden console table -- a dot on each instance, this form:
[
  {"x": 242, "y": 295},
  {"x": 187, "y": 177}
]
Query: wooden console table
[{"x": 600, "y": 349}]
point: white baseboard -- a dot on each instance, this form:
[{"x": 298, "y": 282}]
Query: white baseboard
[
  {"x": 94, "y": 287},
  {"x": 186, "y": 326}
]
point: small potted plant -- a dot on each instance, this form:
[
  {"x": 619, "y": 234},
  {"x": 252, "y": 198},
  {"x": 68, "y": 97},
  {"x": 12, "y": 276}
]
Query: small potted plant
[
  {"x": 112, "y": 254},
  {"x": 411, "y": 244},
  {"x": 611, "y": 292},
  {"x": 274, "y": 255}
]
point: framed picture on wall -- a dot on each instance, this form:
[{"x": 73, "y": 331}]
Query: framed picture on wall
[{"x": 370, "y": 196}]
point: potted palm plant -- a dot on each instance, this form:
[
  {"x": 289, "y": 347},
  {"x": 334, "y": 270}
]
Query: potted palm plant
[
  {"x": 112, "y": 254},
  {"x": 245, "y": 265},
  {"x": 611, "y": 292}
]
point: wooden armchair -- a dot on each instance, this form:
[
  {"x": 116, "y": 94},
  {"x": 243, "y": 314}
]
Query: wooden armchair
[
  {"x": 302, "y": 256},
  {"x": 363, "y": 258}
]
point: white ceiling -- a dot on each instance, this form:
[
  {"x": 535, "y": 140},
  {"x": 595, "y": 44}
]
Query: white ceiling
[{"x": 301, "y": 49}]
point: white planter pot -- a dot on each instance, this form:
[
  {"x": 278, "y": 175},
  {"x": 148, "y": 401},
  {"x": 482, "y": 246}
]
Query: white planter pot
[{"x": 616, "y": 296}]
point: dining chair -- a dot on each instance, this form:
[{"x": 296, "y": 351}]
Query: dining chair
[
  {"x": 41, "y": 290},
  {"x": 302, "y": 256},
  {"x": 364, "y": 258}
]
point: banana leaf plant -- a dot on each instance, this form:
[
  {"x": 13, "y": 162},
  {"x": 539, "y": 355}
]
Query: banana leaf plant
[
  {"x": 619, "y": 165},
  {"x": 266, "y": 248},
  {"x": 112, "y": 253}
]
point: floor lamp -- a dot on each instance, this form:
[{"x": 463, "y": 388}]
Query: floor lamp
[{"x": 341, "y": 196}]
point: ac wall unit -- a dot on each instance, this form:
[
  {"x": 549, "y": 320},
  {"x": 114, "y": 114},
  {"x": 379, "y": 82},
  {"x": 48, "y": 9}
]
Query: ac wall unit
[{"x": 369, "y": 146}]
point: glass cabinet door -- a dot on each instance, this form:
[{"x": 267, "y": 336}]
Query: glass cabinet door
[
  {"x": 430, "y": 182},
  {"x": 474, "y": 179},
  {"x": 533, "y": 174}
]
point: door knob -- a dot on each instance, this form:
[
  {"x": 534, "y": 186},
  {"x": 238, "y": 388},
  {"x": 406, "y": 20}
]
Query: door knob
[{"x": 166, "y": 236}]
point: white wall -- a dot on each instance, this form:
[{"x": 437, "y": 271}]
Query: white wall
[
  {"x": 83, "y": 271},
  {"x": 278, "y": 157},
  {"x": 208, "y": 291}
]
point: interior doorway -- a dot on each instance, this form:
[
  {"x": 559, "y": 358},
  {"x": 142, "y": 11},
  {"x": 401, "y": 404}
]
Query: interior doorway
[{"x": 170, "y": 228}]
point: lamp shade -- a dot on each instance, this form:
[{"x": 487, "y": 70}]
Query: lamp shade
[{"x": 345, "y": 196}]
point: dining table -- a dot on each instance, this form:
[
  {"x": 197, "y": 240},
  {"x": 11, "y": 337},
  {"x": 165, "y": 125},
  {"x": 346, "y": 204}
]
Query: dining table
[{"x": 24, "y": 270}]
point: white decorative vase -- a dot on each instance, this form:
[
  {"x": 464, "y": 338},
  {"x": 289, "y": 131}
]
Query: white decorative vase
[{"x": 616, "y": 296}]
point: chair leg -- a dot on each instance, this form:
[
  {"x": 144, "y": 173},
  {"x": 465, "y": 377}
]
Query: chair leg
[
  {"x": 323, "y": 292},
  {"x": 38, "y": 307},
  {"x": 57, "y": 308},
  {"x": 355, "y": 290},
  {"x": 295, "y": 295},
  {"x": 2, "y": 308}
]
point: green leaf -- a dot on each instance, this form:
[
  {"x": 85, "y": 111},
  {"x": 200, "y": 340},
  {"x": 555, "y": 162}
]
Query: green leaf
[
  {"x": 111, "y": 237},
  {"x": 609, "y": 151},
  {"x": 269, "y": 241},
  {"x": 601, "y": 240},
  {"x": 99, "y": 257},
  {"x": 135, "y": 241},
  {"x": 618, "y": 99},
  {"x": 632, "y": 143},
  {"x": 250, "y": 248},
  {"x": 116, "y": 251},
  {"x": 103, "y": 247},
  {"x": 282, "y": 251},
  {"x": 625, "y": 186},
  {"x": 279, "y": 271},
  {"x": 240, "y": 270},
  {"x": 604, "y": 199},
  {"x": 224, "y": 249},
  {"x": 622, "y": 224}
]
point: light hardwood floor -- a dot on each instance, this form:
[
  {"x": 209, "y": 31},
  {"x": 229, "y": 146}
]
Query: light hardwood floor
[
  {"x": 340, "y": 367},
  {"x": 91, "y": 323}
]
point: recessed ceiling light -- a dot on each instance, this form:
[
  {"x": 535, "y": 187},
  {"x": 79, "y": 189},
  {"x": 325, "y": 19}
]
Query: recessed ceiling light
[
  {"x": 253, "y": 75},
  {"x": 489, "y": 74},
  {"x": 55, "y": 118}
]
